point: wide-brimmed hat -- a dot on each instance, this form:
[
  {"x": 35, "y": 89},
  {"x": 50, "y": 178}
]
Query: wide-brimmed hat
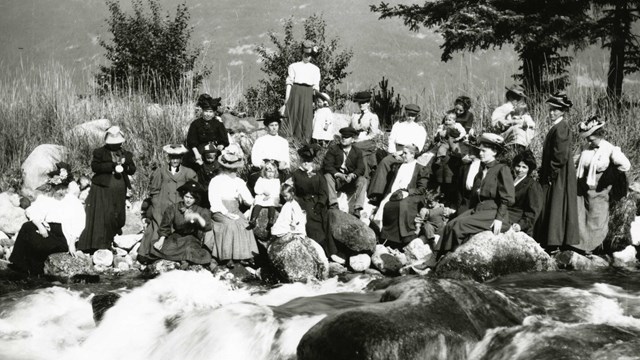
[
  {"x": 175, "y": 149},
  {"x": 192, "y": 187},
  {"x": 324, "y": 96},
  {"x": 231, "y": 159},
  {"x": 307, "y": 153},
  {"x": 588, "y": 127},
  {"x": 559, "y": 100},
  {"x": 58, "y": 178},
  {"x": 203, "y": 99},
  {"x": 348, "y": 132},
  {"x": 362, "y": 97},
  {"x": 113, "y": 135},
  {"x": 412, "y": 109},
  {"x": 208, "y": 148},
  {"x": 309, "y": 47},
  {"x": 273, "y": 116},
  {"x": 491, "y": 139},
  {"x": 516, "y": 89}
]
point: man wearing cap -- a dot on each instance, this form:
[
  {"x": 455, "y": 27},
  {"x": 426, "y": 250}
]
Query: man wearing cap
[
  {"x": 204, "y": 130},
  {"x": 368, "y": 126},
  {"x": 343, "y": 169},
  {"x": 402, "y": 133},
  {"x": 303, "y": 80},
  {"x": 514, "y": 95}
]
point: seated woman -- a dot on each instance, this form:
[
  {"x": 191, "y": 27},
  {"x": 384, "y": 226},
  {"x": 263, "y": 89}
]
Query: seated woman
[
  {"x": 526, "y": 209},
  {"x": 232, "y": 240},
  {"x": 404, "y": 197},
  {"x": 492, "y": 194},
  {"x": 57, "y": 219},
  {"x": 182, "y": 229},
  {"x": 163, "y": 190}
]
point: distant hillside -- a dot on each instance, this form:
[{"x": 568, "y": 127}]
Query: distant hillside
[{"x": 67, "y": 31}]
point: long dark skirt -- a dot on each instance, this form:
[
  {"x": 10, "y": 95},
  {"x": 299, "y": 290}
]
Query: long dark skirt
[
  {"x": 105, "y": 208},
  {"x": 398, "y": 219},
  {"x": 177, "y": 247},
  {"x": 31, "y": 249},
  {"x": 300, "y": 112},
  {"x": 467, "y": 224}
]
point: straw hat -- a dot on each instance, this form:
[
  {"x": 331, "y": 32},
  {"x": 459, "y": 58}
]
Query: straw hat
[
  {"x": 559, "y": 100},
  {"x": 175, "y": 149},
  {"x": 231, "y": 159},
  {"x": 113, "y": 135},
  {"x": 491, "y": 139},
  {"x": 588, "y": 127}
]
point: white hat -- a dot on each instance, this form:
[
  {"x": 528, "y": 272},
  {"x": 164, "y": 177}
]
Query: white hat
[{"x": 113, "y": 135}]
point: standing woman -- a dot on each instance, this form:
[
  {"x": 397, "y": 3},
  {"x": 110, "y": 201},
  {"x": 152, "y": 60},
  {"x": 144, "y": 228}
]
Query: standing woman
[
  {"x": 56, "y": 219},
  {"x": 492, "y": 194},
  {"x": 558, "y": 223},
  {"x": 105, "y": 205},
  {"x": 302, "y": 80},
  {"x": 599, "y": 165}
]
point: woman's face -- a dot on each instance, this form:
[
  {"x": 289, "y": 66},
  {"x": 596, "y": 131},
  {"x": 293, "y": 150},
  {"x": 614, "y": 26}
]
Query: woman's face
[
  {"x": 287, "y": 196},
  {"x": 459, "y": 109},
  {"x": 593, "y": 141},
  {"x": 188, "y": 199},
  {"x": 521, "y": 169},
  {"x": 272, "y": 128},
  {"x": 487, "y": 154},
  {"x": 306, "y": 57},
  {"x": 408, "y": 155},
  {"x": 175, "y": 161},
  {"x": 364, "y": 106},
  {"x": 207, "y": 114},
  {"x": 555, "y": 113}
]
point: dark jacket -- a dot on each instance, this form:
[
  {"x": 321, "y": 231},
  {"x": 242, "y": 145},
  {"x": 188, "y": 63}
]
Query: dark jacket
[
  {"x": 334, "y": 157},
  {"x": 202, "y": 131},
  {"x": 495, "y": 191},
  {"x": 418, "y": 183},
  {"x": 526, "y": 209},
  {"x": 104, "y": 168}
]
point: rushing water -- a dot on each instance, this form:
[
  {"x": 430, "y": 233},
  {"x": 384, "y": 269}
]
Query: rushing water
[{"x": 188, "y": 315}]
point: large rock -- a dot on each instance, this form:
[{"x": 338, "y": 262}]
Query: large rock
[
  {"x": 419, "y": 252},
  {"x": 260, "y": 231},
  {"x": 486, "y": 256},
  {"x": 12, "y": 216},
  {"x": 386, "y": 262},
  {"x": 63, "y": 265},
  {"x": 351, "y": 232},
  {"x": 416, "y": 318},
  {"x": 102, "y": 257},
  {"x": 626, "y": 258},
  {"x": 91, "y": 132},
  {"x": 298, "y": 258},
  {"x": 41, "y": 161},
  {"x": 360, "y": 262},
  {"x": 235, "y": 124},
  {"x": 571, "y": 260},
  {"x": 336, "y": 269},
  {"x": 635, "y": 231},
  {"x": 100, "y": 303},
  {"x": 128, "y": 241}
]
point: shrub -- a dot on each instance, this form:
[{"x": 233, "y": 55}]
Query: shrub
[{"x": 385, "y": 105}]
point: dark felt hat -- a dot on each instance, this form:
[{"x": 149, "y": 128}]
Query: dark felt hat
[
  {"x": 208, "y": 148},
  {"x": 362, "y": 97},
  {"x": 268, "y": 118},
  {"x": 307, "y": 153},
  {"x": 412, "y": 109},
  {"x": 559, "y": 100},
  {"x": 348, "y": 132},
  {"x": 192, "y": 187},
  {"x": 516, "y": 89},
  {"x": 203, "y": 99}
]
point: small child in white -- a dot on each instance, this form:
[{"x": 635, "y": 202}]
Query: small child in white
[
  {"x": 267, "y": 191},
  {"x": 292, "y": 219},
  {"x": 448, "y": 135},
  {"x": 323, "y": 131}
]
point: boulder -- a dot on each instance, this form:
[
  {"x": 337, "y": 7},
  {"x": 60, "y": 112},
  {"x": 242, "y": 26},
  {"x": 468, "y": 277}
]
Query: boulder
[
  {"x": 571, "y": 260},
  {"x": 260, "y": 231},
  {"x": 41, "y": 161},
  {"x": 351, "y": 232},
  {"x": 102, "y": 257},
  {"x": 122, "y": 263},
  {"x": 91, "y": 131},
  {"x": 100, "y": 303},
  {"x": 626, "y": 258},
  {"x": 373, "y": 272},
  {"x": 134, "y": 251},
  {"x": 418, "y": 251},
  {"x": 336, "y": 269},
  {"x": 360, "y": 262},
  {"x": 486, "y": 256},
  {"x": 235, "y": 124},
  {"x": 386, "y": 263},
  {"x": 63, "y": 265},
  {"x": 416, "y": 318},
  {"x": 12, "y": 216},
  {"x": 297, "y": 258},
  {"x": 128, "y": 241},
  {"x": 635, "y": 231},
  {"x": 119, "y": 252}
]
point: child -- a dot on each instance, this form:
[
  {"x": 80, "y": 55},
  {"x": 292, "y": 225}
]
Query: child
[
  {"x": 448, "y": 134},
  {"x": 322, "y": 120},
  {"x": 267, "y": 191},
  {"x": 431, "y": 220},
  {"x": 292, "y": 220},
  {"x": 518, "y": 127}
]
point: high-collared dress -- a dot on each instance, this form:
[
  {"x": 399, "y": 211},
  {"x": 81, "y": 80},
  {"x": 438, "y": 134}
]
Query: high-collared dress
[{"x": 528, "y": 204}]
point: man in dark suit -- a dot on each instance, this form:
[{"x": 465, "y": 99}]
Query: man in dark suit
[{"x": 344, "y": 169}]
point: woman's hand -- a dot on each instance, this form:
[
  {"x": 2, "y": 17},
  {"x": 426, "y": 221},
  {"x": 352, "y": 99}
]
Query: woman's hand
[
  {"x": 198, "y": 159},
  {"x": 159, "y": 243},
  {"x": 496, "y": 226},
  {"x": 232, "y": 216},
  {"x": 516, "y": 227},
  {"x": 43, "y": 229}
]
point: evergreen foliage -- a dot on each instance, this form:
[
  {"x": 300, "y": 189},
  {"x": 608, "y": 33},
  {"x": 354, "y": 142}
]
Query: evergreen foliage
[
  {"x": 149, "y": 53},
  {"x": 386, "y": 104}
]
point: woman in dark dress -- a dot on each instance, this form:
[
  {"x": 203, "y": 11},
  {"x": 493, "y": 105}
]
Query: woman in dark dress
[
  {"x": 105, "y": 206},
  {"x": 203, "y": 130},
  {"x": 493, "y": 192},
  {"x": 310, "y": 190},
  {"x": 525, "y": 211},
  {"x": 183, "y": 227},
  {"x": 558, "y": 223}
]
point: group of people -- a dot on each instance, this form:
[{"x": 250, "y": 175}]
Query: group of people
[{"x": 200, "y": 209}]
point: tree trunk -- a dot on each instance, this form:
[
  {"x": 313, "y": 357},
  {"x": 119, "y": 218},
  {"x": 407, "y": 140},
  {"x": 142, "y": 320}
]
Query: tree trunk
[
  {"x": 533, "y": 71},
  {"x": 621, "y": 26}
]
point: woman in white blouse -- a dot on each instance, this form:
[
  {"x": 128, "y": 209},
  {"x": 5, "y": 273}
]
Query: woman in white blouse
[
  {"x": 232, "y": 240},
  {"x": 57, "y": 219},
  {"x": 599, "y": 165},
  {"x": 302, "y": 81}
]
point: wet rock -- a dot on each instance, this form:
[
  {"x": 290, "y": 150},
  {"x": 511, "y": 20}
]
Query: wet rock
[
  {"x": 100, "y": 303},
  {"x": 360, "y": 262},
  {"x": 63, "y": 265},
  {"x": 297, "y": 258},
  {"x": 417, "y": 318},
  {"x": 102, "y": 257},
  {"x": 635, "y": 232},
  {"x": 386, "y": 263},
  {"x": 260, "y": 231},
  {"x": 120, "y": 252},
  {"x": 12, "y": 216},
  {"x": 351, "y": 232},
  {"x": 626, "y": 258},
  {"x": 373, "y": 272},
  {"x": 417, "y": 251},
  {"x": 486, "y": 256},
  {"x": 41, "y": 161},
  {"x": 134, "y": 252},
  {"x": 336, "y": 269},
  {"x": 571, "y": 260},
  {"x": 122, "y": 263},
  {"x": 91, "y": 131},
  {"x": 128, "y": 241}
]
